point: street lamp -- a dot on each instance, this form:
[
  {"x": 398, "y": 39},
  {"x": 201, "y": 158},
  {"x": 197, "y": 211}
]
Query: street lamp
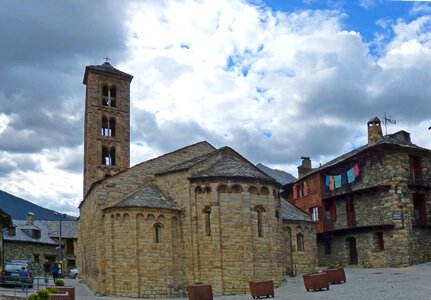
[{"x": 60, "y": 246}]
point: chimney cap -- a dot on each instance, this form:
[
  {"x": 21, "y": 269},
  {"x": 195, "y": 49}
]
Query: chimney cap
[{"x": 305, "y": 157}]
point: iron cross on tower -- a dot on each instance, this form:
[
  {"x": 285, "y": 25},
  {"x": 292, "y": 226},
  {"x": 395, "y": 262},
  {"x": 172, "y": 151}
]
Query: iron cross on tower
[{"x": 106, "y": 58}]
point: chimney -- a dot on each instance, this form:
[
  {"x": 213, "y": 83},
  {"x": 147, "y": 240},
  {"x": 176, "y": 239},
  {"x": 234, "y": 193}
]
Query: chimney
[
  {"x": 11, "y": 230},
  {"x": 305, "y": 167},
  {"x": 30, "y": 218},
  {"x": 374, "y": 130}
]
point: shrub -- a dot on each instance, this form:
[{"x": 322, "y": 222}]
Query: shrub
[
  {"x": 59, "y": 282},
  {"x": 41, "y": 295}
]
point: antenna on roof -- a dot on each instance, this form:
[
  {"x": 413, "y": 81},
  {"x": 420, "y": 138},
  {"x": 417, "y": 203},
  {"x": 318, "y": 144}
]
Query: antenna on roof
[{"x": 387, "y": 120}]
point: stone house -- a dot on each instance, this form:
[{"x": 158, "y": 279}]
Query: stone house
[
  {"x": 372, "y": 205},
  {"x": 194, "y": 215},
  {"x": 69, "y": 240},
  {"x": 29, "y": 240},
  {"x": 5, "y": 221}
]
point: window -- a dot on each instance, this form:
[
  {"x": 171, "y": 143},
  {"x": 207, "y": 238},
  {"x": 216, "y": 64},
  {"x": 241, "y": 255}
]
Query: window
[
  {"x": 112, "y": 127},
  {"x": 380, "y": 241},
  {"x": 36, "y": 233},
  {"x": 69, "y": 247},
  {"x": 157, "y": 233},
  {"x": 207, "y": 212},
  {"x": 419, "y": 206},
  {"x": 415, "y": 168},
  {"x": 108, "y": 157},
  {"x": 315, "y": 214},
  {"x": 300, "y": 242},
  {"x": 109, "y": 96},
  {"x": 259, "y": 224},
  {"x": 108, "y": 128}
]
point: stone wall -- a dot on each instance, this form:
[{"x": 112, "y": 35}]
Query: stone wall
[
  {"x": 29, "y": 251},
  {"x": 390, "y": 204}
]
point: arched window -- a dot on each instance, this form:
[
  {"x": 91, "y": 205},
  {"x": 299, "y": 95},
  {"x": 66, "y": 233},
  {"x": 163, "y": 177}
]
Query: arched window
[
  {"x": 207, "y": 212},
  {"x": 112, "y": 156},
  {"x": 109, "y": 96},
  {"x": 259, "y": 223},
  {"x": 112, "y": 127},
  {"x": 106, "y": 159},
  {"x": 237, "y": 189},
  {"x": 157, "y": 233},
  {"x": 105, "y": 95},
  {"x": 300, "y": 242},
  {"x": 105, "y": 131},
  {"x": 113, "y": 96}
]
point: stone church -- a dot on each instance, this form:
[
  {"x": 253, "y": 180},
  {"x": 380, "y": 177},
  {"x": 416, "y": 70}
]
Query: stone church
[{"x": 194, "y": 215}]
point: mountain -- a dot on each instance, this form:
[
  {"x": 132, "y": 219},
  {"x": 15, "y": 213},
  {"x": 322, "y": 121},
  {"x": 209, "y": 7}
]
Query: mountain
[
  {"x": 281, "y": 176},
  {"x": 18, "y": 208}
]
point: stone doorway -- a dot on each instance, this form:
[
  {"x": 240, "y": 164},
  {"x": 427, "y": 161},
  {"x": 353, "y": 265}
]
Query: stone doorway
[{"x": 353, "y": 251}]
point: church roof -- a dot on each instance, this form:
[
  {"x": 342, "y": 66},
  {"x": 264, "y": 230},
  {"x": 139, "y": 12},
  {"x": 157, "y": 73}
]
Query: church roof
[
  {"x": 107, "y": 68},
  {"x": 290, "y": 212},
  {"x": 231, "y": 167},
  {"x": 149, "y": 196}
]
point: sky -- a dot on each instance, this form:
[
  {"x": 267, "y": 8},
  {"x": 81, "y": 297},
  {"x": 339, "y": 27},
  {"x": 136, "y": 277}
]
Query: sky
[{"x": 275, "y": 80}]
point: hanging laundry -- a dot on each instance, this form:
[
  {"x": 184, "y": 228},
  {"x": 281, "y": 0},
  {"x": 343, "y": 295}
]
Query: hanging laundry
[
  {"x": 356, "y": 170},
  {"x": 337, "y": 180},
  {"x": 350, "y": 175},
  {"x": 327, "y": 181},
  {"x": 343, "y": 178},
  {"x": 331, "y": 182}
]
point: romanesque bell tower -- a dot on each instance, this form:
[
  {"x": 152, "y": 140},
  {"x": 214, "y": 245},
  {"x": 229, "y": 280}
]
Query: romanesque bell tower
[{"x": 107, "y": 123}]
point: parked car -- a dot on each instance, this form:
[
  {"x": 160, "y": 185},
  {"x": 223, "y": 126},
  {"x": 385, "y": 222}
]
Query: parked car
[
  {"x": 73, "y": 273},
  {"x": 10, "y": 274}
]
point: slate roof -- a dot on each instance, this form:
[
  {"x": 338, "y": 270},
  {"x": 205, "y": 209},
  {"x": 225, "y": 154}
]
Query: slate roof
[
  {"x": 69, "y": 229},
  {"x": 108, "y": 68},
  {"x": 400, "y": 138},
  {"x": 290, "y": 212},
  {"x": 22, "y": 236},
  {"x": 230, "y": 167},
  {"x": 149, "y": 196},
  {"x": 190, "y": 163}
]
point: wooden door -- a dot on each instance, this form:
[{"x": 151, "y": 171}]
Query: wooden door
[{"x": 353, "y": 252}]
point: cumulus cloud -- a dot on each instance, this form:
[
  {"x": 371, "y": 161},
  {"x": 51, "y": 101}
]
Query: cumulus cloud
[{"x": 273, "y": 85}]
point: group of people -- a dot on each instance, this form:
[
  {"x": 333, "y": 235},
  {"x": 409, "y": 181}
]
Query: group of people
[{"x": 50, "y": 269}]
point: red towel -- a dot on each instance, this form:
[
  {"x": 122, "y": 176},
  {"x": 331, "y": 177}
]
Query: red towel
[{"x": 356, "y": 170}]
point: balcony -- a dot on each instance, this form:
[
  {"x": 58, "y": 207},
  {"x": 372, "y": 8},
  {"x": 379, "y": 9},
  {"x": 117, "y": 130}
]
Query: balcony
[
  {"x": 348, "y": 190},
  {"x": 419, "y": 183}
]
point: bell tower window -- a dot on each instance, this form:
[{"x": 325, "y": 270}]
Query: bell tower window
[
  {"x": 109, "y": 96},
  {"x": 108, "y": 157},
  {"x": 108, "y": 128}
]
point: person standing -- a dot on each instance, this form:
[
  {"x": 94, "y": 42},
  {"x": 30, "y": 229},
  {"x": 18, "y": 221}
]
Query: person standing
[
  {"x": 46, "y": 270},
  {"x": 23, "y": 275},
  {"x": 54, "y": 271}
]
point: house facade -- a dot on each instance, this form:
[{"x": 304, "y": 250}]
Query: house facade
[
  {"x": 5, "y": 221},
  {"x": 195, "y": 215},
  {"x": 372, "y": 204}
]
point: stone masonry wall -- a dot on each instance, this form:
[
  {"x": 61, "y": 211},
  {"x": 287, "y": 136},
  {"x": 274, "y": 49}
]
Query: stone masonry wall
[
  {"x": 28, "y": 251},
  {"x": 404, "y": 244}
]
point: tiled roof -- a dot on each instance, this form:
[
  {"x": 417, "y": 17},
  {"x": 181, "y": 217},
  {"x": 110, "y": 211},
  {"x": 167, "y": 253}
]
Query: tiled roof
[
  {"x": 400, "y": 138},
  {"x": 108, "y": 68},
  {"x": 23, "y": 233},
  {"x": 149, "y": 196},
  {"x": 292, "y": 213},
  {"x": 69, "y": 229},
  {"x": 230, "y": 167}
]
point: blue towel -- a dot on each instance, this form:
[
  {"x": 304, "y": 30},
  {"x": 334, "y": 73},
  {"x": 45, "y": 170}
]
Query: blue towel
[
  {"x": 350, "y": 175},
  {"x": 337, "y": 180},
  {"x": 327, "y": 180},
  {"x": 343, "y": 178}
]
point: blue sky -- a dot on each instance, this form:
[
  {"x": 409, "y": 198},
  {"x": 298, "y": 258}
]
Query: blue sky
[{"x": 361, "y": 16}]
